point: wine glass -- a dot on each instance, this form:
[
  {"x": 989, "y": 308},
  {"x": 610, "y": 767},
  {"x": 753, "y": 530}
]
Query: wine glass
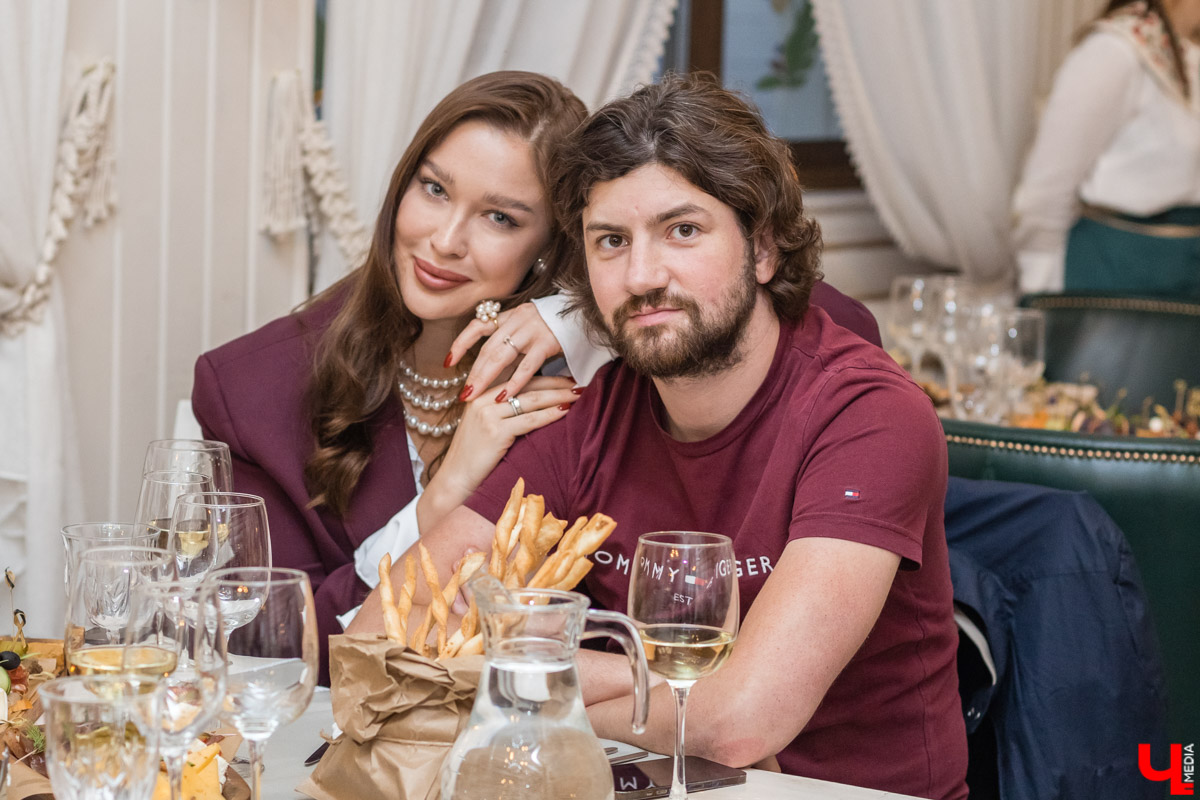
[
  {"x": 240, "y": 522},
  {"x": 1024, "y": 347},
  {"x": 98, "y": 610},
  {"x": 204, "y": 456},
  {"x": 84, "y": 536},
  {"x": 273, "y": 660},
  {"x": 980, "y": 364},
  {"x": 156, "y": 501},
  {"x": 683, "y": 595},
  {"x": 908, "y": 314},
  {"x": 183, "y": 619},
  {"x": 102, "y": 736}
]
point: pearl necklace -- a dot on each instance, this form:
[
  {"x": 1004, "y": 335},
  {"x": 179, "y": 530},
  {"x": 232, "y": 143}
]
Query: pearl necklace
[
  {"x": 425, "y": 429},
  {"x": 428, "y": 402},
  {"x": 431, "y": 383}
]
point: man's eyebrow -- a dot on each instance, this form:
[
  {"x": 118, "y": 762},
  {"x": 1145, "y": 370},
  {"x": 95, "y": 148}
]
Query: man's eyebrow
[
  {"x": 605, "y": 227},
  {"x": 678, "y": 211},
  {"x": 505, "y": 201},
  {"x": 669, "y": 214},
  {"x": 439, "y": 173}
]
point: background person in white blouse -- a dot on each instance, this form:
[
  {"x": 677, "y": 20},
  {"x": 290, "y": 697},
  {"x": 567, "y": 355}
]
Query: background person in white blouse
[{"x": 1110, "y": 196}]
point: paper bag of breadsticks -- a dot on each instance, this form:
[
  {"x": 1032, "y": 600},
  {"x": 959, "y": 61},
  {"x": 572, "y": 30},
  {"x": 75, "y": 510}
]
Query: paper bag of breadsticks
[
  {"x": 399, "y": 712},
  {"x": 402, "y": 698}
]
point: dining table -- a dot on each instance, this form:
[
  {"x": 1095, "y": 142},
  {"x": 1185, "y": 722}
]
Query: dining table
[{"x": 287, "y": 750}]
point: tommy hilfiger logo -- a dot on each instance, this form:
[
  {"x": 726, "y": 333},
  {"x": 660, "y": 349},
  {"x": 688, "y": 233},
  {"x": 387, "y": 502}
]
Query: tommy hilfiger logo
[
  {"x": 853, "y": 494},
  {"x": 1181, "y": 772}
]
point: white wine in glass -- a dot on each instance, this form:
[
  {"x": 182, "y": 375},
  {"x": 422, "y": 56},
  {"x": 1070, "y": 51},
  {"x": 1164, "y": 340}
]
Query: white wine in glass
[
  {"x": 99, "y": 612},
  {"x": 683, "y": 596}
]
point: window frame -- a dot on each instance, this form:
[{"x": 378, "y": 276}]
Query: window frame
[{"x": 823, "y": 164}]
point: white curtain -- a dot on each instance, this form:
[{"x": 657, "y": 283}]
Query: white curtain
[
  {"x": 39, "y": 489},
  {"x": 938, "y": 101},
  {"x": 388, "y": 63}
]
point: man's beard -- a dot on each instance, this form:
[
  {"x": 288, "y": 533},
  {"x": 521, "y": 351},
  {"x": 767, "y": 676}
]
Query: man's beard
[{"x": 704, "y": 347}]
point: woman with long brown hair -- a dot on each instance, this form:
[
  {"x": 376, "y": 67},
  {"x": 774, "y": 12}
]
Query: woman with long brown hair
[
  {"x": 357, "y": 404},
  {"x": 1110, "y": 195}
]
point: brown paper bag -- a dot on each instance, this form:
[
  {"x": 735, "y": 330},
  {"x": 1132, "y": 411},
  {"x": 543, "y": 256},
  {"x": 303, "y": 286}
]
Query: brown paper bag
[{"x": 399, "y": 713}]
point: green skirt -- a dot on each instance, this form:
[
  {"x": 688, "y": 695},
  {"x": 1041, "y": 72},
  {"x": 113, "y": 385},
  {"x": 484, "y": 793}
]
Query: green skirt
[{"x": 1101, "y": 257}]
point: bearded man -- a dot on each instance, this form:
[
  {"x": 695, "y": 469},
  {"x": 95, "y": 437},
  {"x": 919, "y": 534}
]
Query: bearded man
[{"x": 738, "y": 408}]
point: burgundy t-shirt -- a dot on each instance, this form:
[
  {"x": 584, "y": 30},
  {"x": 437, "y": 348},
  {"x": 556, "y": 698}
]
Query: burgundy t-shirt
[{"x": 837, "y": 442}]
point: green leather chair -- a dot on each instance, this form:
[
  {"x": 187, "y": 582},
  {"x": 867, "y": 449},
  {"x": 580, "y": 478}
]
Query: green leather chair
[
  {"x": 1151, "y": 489},
  {"x": 1140, "y": 344}
]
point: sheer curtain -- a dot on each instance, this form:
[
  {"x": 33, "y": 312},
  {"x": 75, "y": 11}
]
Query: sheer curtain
[
  {"x": 388, "y": 63},
  {"x": 938, "y": 101},
  {"x": 39, "y": 489}
]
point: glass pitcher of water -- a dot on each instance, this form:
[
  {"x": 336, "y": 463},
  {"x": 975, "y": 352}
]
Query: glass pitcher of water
[{"x": 528, "y": 736}]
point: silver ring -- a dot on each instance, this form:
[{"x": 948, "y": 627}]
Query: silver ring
[
  {"x": 516, "y": 406},
  {"x": 508, "y": 341}
]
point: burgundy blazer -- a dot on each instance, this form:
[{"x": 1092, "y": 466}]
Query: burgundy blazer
[{"x": 249, "y": 393}]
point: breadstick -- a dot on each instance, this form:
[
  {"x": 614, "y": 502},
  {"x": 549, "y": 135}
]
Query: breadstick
[
  {"x": 391, "y": 617},
  {"x": 437, "y": 604},
  {"x": 417, "y": 641},
  {"x": 585, "y": 542},
  {"x": 404, "y": 605},
  {"x": 467, "y": 568},
  {"x": 504, "y": 526},
  {"x": 543, "y": 577},
  {"x": 533, "y": 548},
  {"x": 577, "y": 573},
  {"x": 473, "y": 646}
]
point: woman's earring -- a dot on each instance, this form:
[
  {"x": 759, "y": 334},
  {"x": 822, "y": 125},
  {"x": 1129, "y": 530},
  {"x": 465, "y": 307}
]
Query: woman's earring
[{"x": 539, "y": 266}]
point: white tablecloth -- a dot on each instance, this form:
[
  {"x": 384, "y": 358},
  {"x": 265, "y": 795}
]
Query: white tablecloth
[{"x": 291, "y": 745}]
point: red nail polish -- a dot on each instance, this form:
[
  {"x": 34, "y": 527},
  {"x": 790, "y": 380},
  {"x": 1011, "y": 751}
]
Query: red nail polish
[
  {"x": 500, "y": 398},
  {"x": 578, "y": 389},
  {"x": 449, "y": 358},
  {"x": 565, "y": 407},
  {"x": 465, "y": 393}
]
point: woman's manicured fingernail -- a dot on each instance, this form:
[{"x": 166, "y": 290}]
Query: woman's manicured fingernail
[
  {"x": 465, "y": 393},
  {"x": 449, "y": 358},
  {"x": 578, "y": 389},
  {"x": 500, "y": 398},
  {"x": 565, "y": 407}
]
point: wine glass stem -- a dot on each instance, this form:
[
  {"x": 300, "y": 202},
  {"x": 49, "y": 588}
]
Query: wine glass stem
[
  {"x": 174, "y": 765},
  {"x": 256, "y": 767},
  {"x": 679, "y": 778}
]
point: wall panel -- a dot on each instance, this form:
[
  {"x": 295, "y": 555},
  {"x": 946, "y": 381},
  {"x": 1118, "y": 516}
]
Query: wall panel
[{"x": 179, "y": 268}]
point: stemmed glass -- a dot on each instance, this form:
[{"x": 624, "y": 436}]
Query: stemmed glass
[
  {"x": 1024, "y": 347},
  {"x": 683, "y": 595},
  {"x": 908, "y": 315},
  {"x": 206, "y": 457},
  {"x": 84, "y": 536},
  {"x": 184, "y": 619},
  {"x": 273, "y": 660},
  {"x": 160, "y": 490},
  {"x": 239, "y": 521},
  {"x": 102, "y": 736},
  {"x": 98, "y": 611}
]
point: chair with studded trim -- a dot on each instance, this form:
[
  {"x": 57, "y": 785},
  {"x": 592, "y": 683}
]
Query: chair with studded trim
[{"x": 1151, "y": 489}]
